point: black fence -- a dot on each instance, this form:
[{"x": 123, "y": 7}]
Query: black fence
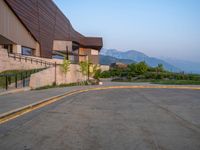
[{"x": 18, "y": 79}]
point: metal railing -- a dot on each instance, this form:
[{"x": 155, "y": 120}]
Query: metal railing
[
  {"x": 31, "y": 59},
  {"x": 16, "y": 80}
]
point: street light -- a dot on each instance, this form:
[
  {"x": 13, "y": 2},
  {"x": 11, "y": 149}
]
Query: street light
[{"x": 89, "y": 70}]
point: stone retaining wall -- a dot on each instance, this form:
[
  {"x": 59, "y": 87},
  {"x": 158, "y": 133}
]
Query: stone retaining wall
[
  {"x": 47, "y": 77},
  {"x": 9, "y": 63}
]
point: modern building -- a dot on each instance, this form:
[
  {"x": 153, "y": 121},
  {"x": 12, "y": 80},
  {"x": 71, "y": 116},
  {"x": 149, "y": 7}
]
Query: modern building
[
  {"x": 118, "y": 65},
  {"x": 39, "y": 28}
]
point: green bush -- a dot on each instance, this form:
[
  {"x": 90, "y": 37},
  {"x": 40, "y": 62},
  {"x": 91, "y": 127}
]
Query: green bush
[
  {"x": 142, "y": 71},
  {"x": 97, "y": 74},
  {"x": 159, "y": 76},
  {"x": 105, "y": 74},
  {"x": 141, "y": 68}
]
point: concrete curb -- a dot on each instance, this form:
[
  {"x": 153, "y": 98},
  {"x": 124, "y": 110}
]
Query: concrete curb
[
  {"x": 28, "y": 108},
  {"x": 23, "y": 110}
]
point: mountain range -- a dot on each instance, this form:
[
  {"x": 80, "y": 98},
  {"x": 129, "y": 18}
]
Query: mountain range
[
  {"x": 187, "y": 66},
  {"x": 108, "y": 56},
  {"x": 107, "y": 60}
]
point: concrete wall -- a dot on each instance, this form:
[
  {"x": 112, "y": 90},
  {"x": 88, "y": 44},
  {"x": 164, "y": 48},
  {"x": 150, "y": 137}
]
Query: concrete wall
[
  {"x": 8, "y": 63},
  {"x": 12, "y": 29},
  {"x": 104, "y": 68},
  {"x": 93, "y": 55},
  {"x": 62, "y": 45},
  {"x": 47, "y": 77}
]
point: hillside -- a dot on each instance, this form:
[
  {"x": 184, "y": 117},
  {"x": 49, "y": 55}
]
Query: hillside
[
  {"x": 187, "y": 66},
  {"x": 137, "y": 56},
  {"x": 107, "y": 60}
]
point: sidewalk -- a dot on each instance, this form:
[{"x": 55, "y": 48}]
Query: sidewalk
[
  {"x": 13, "y": 89},
  {"x": 14, "y": 101}
]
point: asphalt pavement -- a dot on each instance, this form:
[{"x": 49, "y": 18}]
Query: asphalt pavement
[
  {"x": 9, "y": 102},
  {"x": 114, "y": 119}
]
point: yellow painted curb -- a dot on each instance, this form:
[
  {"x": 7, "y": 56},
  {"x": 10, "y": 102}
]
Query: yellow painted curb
[{"x": 26, "y": 109}]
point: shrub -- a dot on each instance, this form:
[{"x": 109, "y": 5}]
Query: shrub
[
  {"x": 105, "y": 74},
  {"x": 97, "y": 74},
  {"x": 141, "y": 68},
  {"x": 84, "y": 67},
  {"x": 159, "y": 76},
  {"x": 65, "y": 66}
]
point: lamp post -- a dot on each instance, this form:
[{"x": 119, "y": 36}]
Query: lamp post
[
  {"x": 89, "y": 64},
  {"x": 88, "y": 71},
  {"x": 67, "y": 53},
  {"x": 55, "y": 82}
]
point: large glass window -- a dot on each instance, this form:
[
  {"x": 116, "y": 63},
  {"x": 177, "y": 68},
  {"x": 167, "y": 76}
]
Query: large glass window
[
  {"x": 27, "y": 51},
  {"x": 55, "y": 56},
  {"x": 58, "y": 55}
]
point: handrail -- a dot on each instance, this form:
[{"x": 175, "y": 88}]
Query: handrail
[
  {"x": 35, "y": 59},
  {"x": 26, "y": 58},
  {"x": 9, "y": 78}
]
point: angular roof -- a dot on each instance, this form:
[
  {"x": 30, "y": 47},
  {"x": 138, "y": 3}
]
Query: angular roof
[{"x": 45, "y": 21}]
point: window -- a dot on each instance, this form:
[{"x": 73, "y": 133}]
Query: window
[
  {"x": 57, "y": 56},
  {"x": 94, "y": 52},
  {"x": 27, "y": 51}
]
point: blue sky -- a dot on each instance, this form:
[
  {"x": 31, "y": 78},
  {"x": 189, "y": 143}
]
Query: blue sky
[{"x": 160, "y": 28}]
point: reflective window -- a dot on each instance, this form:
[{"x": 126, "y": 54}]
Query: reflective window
[
  {"x": 57, "y": 57},
  {"x": 27, "y": 51}
]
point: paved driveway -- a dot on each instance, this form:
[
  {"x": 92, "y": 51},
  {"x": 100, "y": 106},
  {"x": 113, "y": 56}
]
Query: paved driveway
[
  {"x": 9, "y": 102},
  {"x": 120, "y": 119}
]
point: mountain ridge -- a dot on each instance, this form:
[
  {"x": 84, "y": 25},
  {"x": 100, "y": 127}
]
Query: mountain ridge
[
  {"x": 107, "y": 60},
  {"x": 138, "y": 57},
  {"x": 187, "y": 66}
]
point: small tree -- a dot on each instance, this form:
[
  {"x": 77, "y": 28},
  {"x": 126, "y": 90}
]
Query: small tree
[
  {"x": 160, "y": 68},
  {"x": 141, "y": 68},
  {"x": 93, "y": 69},
  {"x": 88, "y": 69},
  {"x": 97, "y": 74},
  {"x": 65, "y": 66},
  {"x": 84, "y": 67}
]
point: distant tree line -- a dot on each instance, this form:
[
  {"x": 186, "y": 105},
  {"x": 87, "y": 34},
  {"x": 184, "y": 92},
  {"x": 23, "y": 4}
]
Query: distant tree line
[{"x": 141, "y": 71}]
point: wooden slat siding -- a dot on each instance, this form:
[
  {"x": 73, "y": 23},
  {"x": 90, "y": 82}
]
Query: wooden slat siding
[
  {"x": 91, "y": 41},
  {"x": 47, "y": 17},
  {"x": 46, "y": 23},
  {"x": 62, "y": 27}
]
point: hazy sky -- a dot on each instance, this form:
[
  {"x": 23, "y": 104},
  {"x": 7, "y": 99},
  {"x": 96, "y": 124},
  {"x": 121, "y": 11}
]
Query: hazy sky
[{"x": 169, "y": 28}]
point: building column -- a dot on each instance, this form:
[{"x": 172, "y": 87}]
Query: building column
[
  {"x": 17, "y": 49},
  {"x": 37, "y": 50}
]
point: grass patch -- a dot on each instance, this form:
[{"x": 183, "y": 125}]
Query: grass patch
[
  {"x": 133, "y": 81},
  {"x": 84, "y": 83},
  {"x": 176, "y": 82},
  {"x": 164, "y": 82}
]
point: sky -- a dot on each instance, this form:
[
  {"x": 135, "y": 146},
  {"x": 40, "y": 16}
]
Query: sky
[{"x": 159, "y": 28}]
